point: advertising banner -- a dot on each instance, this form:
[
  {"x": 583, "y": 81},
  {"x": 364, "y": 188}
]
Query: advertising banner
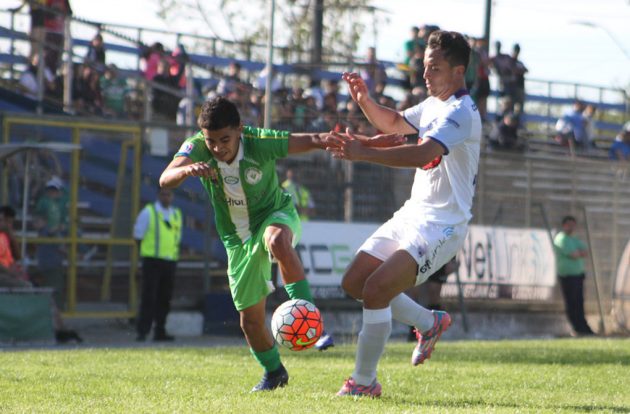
[
  {"x": 495, "y": 262},
  {"x": 501, "y": 262}
]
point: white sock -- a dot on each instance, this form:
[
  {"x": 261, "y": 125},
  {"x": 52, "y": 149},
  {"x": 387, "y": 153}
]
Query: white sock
[
  {"x": 377, "y": 326},
  {"x": 407, "y": 311}
]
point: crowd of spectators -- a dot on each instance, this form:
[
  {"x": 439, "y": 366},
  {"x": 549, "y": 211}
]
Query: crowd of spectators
[{"x": 100, "y": 89}]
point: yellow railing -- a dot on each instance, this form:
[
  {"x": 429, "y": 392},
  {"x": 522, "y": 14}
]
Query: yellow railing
[{"x": 131, "y": 141}]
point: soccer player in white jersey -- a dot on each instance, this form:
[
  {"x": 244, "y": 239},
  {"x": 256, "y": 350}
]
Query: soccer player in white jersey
[
  {"x": 254, "y": 217},
  {"x": 431, "y": 226}
]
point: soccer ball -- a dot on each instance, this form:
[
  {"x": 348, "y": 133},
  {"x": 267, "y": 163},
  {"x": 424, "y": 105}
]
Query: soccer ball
[{"x": 297, "y": 324}]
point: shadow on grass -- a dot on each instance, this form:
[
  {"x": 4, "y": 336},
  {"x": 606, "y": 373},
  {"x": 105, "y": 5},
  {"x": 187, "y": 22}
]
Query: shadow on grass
[
  {"x": 567, "y": 352},
  {"x": 482, "y": 406}
]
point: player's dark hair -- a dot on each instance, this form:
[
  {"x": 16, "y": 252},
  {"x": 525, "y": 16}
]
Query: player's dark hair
[
  {"x": 218, "y": 113},
  {"x": 453, "y": 45},
  {"x": 7, "y": 211},
  {"x": 567, "y": 219}
]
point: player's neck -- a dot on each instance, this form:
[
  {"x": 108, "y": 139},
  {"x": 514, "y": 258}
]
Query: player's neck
[{"x": 457, "y": 86}]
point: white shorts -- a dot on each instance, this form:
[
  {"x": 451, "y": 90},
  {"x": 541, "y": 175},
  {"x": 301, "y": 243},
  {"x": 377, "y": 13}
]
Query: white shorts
[{"x": 431, "y": 245}]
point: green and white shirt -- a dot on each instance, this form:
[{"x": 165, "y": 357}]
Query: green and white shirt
[{"x": 245, "y": 192}]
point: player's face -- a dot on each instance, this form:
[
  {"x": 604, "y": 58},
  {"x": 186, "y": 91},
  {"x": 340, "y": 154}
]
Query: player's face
[
  {"x": 439, "y": 75},
  {"x": 223, "y": 143}
]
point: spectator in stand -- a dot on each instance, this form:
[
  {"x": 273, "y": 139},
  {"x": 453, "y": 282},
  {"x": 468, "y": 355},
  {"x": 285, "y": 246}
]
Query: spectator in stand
[
  {"x": 518, "y": 84},
  {"x": 96, "y": 53},
  {"x": 504, "y": 134},
  {"x": 297, "y": 105},
  {"x": 373, "y": 71},
  {"x": 12, "y": 275},
  {"x": 87, "y": 91},
  {"x": 481, "y": 89},
  {"x": 28, "y": 80},
  {"x": 232, "y": 82},
  {"x": 410, "y": 45},
  {"x": 407, "y": 102},
  {"x": 502, "y": 65},
  {"x": 620, "y": 148},
  {"x": 114, "y": 91},
  {"x": 151, "y": 59},
  {"x": 302, "y": 199},
  {"x": 410, "y": 50},
  {"x": 571, "y": 128},
  {"x": 37, "y": 33},
  {"x": 330, "y": 102},
  {"x": 589, "y": 116},
  {"x": 54, "y": 21},
  {"x": 51, "y": 220},
  {"x": 570, "y": 253},
  {"x": 179, "y": 58},
  {"x": 165, "y": 103},
  {"x": 472, "y": 71},
  {"x": 416, "y": 68}
]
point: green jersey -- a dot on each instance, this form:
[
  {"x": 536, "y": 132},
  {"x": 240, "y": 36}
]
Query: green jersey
[
  {"x": 565, "y": 246},
  {"x": 245, "y": 192}
]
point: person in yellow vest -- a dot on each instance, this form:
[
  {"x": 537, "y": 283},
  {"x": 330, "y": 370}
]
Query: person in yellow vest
[
  {"x": 302, "y": 199},
  {"x": 158, "y": 229}
]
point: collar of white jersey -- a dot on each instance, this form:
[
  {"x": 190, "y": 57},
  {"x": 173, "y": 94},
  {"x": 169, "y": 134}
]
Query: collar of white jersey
[
  {"x": 237, "y": 159},
  {"x": 458, "y": 94}
]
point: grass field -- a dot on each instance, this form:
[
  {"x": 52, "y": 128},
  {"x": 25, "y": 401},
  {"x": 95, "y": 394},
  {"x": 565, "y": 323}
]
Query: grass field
[{"x": 567, "y": 375}]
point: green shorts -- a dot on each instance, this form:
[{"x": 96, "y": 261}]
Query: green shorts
[{"x": 249, "y": 265}]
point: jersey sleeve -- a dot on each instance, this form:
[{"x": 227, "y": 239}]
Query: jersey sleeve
[
  {"x": 267, "y": 144},
  {"x": 412, "y": 115},
  {"x": 193, "y": 148},
  {"x": 451, "y": 128}
]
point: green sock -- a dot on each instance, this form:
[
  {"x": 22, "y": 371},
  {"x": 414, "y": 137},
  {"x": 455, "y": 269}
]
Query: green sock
[
  {"x": 299, "y": 290},
  {"x": 269, "y": 360}
]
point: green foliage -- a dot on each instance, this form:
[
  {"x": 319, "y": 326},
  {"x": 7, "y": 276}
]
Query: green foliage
[
  {"x": 248, "y": 22},
  {"x": 533, "y": 376}
]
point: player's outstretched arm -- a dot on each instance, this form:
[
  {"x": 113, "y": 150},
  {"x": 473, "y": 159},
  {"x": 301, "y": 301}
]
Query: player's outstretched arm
[
  {"x": 382, "y": 118},
  {"x": 181, "y": 168},
  {"x": 348, "y": 147},
  {"x": 304, "y": 142}
]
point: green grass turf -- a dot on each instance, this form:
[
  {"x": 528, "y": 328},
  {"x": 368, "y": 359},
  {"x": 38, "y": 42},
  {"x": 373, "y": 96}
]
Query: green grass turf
[{"x": 564, "y": 375}]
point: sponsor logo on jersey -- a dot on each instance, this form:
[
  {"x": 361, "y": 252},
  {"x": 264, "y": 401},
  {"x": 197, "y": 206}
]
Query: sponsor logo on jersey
[
  {"x": 253, "y": 175},
  {"x": 186, "y": 148},
  {"x": 251, "y": 160},
  {"x": 426, "y": 266},
  {"x": 233, "y": 202},
  {"x": 230, "y": 179}
]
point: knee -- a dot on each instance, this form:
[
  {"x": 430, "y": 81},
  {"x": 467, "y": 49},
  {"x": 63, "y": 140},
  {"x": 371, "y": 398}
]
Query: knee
[
  {"x": 372, "y": 291},
  {"x": 279, "y": 243},
  {"x": 351, "y": 286},
  {"x": 251, "y": 325}
]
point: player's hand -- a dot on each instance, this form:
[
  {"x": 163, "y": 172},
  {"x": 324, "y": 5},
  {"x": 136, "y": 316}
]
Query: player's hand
[
  {"x": 201, "y": 169},
  {"x": 385, "y": 140},
  {"x": 356, "y": 87},
  {"x": 345, "y": 147}
]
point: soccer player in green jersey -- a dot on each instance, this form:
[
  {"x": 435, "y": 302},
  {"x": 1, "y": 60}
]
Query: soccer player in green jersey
[{"x": 255, "y": 219}]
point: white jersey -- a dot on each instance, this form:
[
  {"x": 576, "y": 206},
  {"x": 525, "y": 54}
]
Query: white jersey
[{"x": 443, "y": 190}]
